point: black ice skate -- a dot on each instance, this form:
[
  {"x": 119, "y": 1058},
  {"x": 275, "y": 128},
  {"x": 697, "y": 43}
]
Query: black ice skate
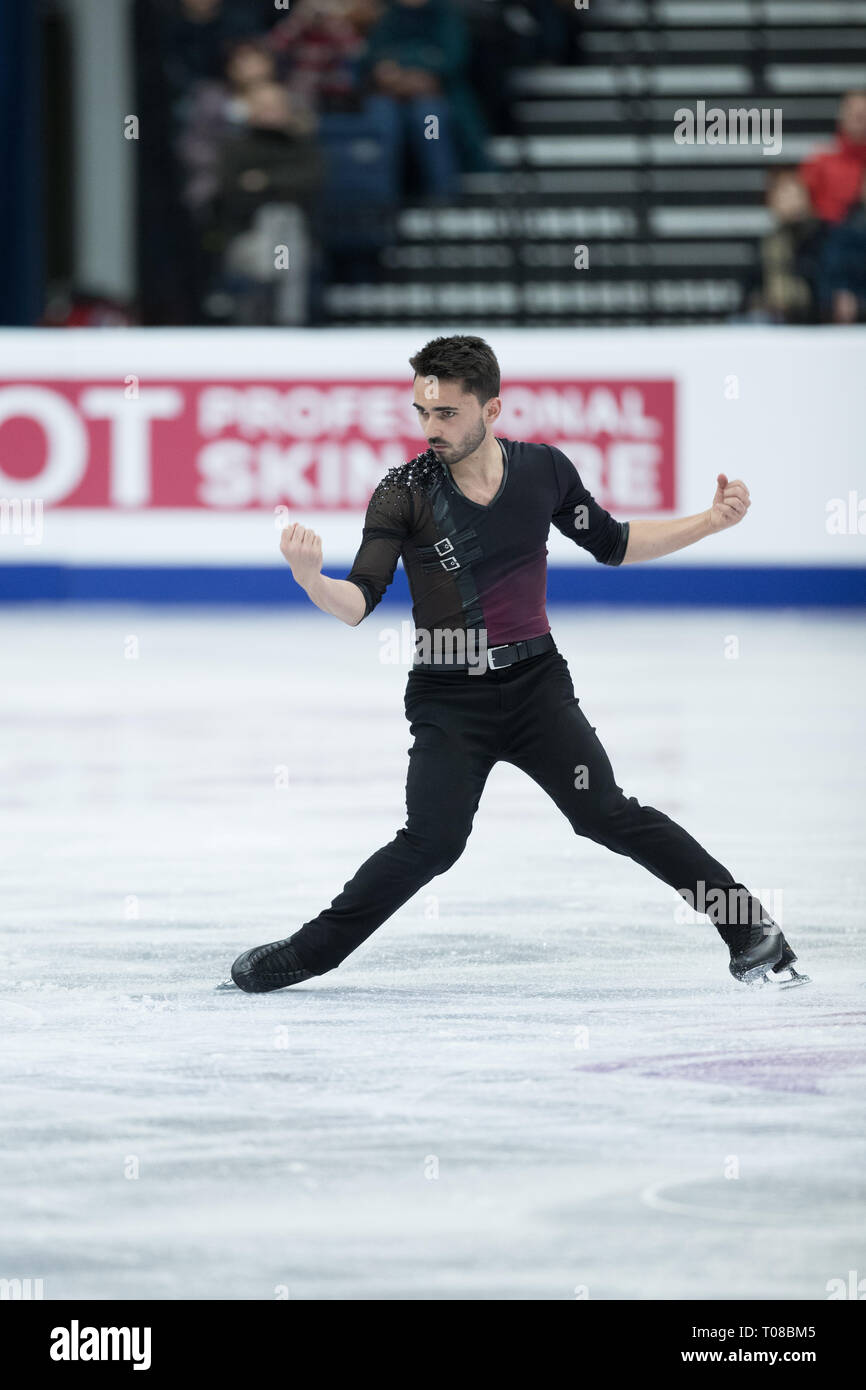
[
  {"x": 754, "y": 950},
  {"x": 760, "y": 956},
  {"x": 783, "y": 973},
  {"x": 264, "y": 968}
]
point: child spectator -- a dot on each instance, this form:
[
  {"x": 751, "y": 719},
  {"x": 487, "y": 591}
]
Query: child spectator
[
  {"x": 214, "y": 109},
  {"x": 269, "y": 175},
  {"x": 786, "y": 284}
]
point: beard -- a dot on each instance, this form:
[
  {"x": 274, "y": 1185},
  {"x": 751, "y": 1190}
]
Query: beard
[{"x": 454, "y": 453}]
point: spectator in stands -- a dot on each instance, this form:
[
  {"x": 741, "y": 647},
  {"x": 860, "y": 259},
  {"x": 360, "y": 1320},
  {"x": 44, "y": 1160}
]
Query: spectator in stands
[
  {"x": 198, "y": 33},
  {"x": 833, "y": 177},
  {"x": 268, "y": 180},
  {"x": 275, "y": 152},
  {"x": 526, "y": 32},
  {"x": 843, "y": 266},
  {"x": 560, "y": 27},
  {"x": 490, "y": 31},
  {"x": 214, "y": 110},
  {"x": 71, "y": 306},
  {"x": 415, "y": 64},
  {"x": 320, "y": 46},
  {"x": 786, "y": 284}
]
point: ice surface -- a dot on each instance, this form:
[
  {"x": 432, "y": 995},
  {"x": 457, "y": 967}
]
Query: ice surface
[{"x": 537, "y": 1022}]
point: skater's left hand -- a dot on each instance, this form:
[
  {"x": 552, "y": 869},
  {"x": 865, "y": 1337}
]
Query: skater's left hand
[{"x": 730, "y": 503}]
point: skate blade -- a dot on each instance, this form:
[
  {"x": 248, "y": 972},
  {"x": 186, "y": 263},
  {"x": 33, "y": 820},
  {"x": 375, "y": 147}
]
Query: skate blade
[
  {"x": 758, "y": 975},
  {"x": 226, "y": 984},
  {"x": 786, "y": 979}
]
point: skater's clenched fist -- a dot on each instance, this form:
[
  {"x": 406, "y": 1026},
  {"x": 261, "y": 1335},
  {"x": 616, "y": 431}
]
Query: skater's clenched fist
[
  {"x": 730, "y": 503},
  {"x": 303, "y": 550}
]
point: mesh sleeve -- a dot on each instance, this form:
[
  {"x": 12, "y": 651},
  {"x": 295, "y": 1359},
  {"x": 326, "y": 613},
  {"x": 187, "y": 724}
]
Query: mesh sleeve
[
  {"x": 386, "y": 527},
  {"x": 583, "y": 520}
]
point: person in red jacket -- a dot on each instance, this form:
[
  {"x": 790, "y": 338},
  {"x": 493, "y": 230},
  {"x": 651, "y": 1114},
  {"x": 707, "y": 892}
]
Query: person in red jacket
[{"x": 833, "y": 176}]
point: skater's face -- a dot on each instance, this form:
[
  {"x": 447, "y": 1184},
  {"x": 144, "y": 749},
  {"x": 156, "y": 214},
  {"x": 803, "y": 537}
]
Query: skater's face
[{"x": 454, "y": 421}]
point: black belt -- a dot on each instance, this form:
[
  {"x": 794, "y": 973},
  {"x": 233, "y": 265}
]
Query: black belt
[{"x": 498, "y": 657}]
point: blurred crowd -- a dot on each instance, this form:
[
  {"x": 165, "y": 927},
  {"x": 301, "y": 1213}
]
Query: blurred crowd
[
  {"x": 298, "y": 130},
  {"x": 284, "y": 137},
  {"x": 813, "y": 262}
]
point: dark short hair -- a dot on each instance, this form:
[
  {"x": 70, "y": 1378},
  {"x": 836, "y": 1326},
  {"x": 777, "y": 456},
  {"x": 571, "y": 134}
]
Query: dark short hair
[
  {"x": 236, "y": 44},
  {"x": 461, "y": 358}
]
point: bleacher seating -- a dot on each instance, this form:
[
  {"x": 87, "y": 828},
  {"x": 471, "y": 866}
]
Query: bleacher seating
[{"x": 672, "y": 229}]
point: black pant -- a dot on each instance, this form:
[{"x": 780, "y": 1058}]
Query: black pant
[{"x": 526, "y": 714}]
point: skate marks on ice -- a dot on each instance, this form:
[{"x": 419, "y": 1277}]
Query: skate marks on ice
[
  {"x": 758, "y": 1200},
  {"x": 283, "y": 1139},
  {"x": 291, "y": 1139},
  {"x": 782, "y": 1068}
]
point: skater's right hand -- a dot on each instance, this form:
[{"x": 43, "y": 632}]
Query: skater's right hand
[{"x": 303, "y": 550}]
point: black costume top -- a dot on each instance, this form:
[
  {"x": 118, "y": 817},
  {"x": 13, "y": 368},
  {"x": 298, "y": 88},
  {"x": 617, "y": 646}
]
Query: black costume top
[{"x": 476, "y": 566}]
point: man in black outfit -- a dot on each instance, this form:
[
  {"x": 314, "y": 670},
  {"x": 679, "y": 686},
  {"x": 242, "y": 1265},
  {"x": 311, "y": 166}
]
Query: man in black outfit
[{"x": 470, "y": 517}]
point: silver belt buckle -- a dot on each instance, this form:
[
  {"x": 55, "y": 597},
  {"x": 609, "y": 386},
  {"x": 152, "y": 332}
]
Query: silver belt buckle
[{"x": 491, "y": 664}]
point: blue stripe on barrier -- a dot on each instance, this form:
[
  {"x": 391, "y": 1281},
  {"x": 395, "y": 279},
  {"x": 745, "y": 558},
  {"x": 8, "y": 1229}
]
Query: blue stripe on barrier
[{"x": 653, "y": 585}]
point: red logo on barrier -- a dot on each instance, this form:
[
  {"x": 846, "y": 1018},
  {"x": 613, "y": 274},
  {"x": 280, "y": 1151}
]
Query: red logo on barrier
[{"x": 314, "y": 445}]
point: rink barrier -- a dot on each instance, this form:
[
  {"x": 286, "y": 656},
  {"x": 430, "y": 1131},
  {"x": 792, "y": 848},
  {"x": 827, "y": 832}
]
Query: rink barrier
[{"x": 642, "y": 585}]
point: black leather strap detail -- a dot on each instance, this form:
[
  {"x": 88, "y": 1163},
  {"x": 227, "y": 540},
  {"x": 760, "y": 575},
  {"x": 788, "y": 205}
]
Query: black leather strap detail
[
  {"x": 506, "y": 655},
  {"x": 449, "y": 553},
  {"x": 499, "y": 657}
]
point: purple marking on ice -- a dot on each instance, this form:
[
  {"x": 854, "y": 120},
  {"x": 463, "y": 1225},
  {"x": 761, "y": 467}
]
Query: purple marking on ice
[{"x": 785, "y": 1071}]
